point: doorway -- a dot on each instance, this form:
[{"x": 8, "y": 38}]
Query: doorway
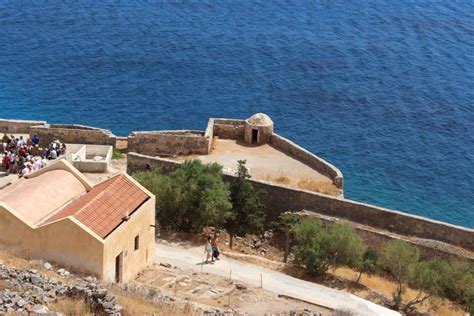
[
  {"x": 254, "y": 136},
  {"x": 118, "y": 267}
]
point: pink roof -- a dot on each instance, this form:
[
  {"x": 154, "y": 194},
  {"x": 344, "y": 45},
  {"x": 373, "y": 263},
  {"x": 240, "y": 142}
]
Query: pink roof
[
  {"x": 38, "y": 197},
  {"x": 102, "y": 209}
]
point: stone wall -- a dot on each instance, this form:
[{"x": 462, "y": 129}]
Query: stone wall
[
  {"x": 308, "y": 158},
  {"x": 228, "y": 128},
  {"x": 77, "y": 134},
  {"x": 138, "y": 162},
  {"x": 169, "y": 143},
  {"x": 209, "y": 134},
  {"x": 280, "y": 199},
  {"x": 18, "y": 126}
]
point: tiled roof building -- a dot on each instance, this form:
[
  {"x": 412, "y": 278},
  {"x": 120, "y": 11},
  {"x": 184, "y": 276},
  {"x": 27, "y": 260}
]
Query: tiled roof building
[{"x": 56, "y": 214}]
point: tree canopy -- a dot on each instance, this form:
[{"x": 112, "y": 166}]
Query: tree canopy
[
  {"x": 247, "y": 214},
  {"x": 191, "y": 197}
]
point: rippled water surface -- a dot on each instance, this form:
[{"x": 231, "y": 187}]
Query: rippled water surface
[{"x": 382, "y": 89}]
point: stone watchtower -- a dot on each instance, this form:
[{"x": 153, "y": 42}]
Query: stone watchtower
[{"x": 258, "y": 129}]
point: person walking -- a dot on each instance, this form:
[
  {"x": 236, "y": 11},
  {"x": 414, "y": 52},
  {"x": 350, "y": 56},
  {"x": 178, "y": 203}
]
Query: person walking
[
  {"x": 208, "y": 249},
  {"x": 215, "y": 248}
]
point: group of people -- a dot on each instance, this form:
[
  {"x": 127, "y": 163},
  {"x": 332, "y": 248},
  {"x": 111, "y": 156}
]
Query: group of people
[
  {"x": 24, "y": 156},
  {"x": 211, "y": 248}
]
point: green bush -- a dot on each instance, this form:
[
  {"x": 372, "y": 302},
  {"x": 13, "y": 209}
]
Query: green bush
[
  {"x": 400, "y": 259},
  {"x": 247, "y": 215},
  {"x": 320, "y": 247},
  {"x": 117, "y": 154},
  {"x": 191, "y": 197}
]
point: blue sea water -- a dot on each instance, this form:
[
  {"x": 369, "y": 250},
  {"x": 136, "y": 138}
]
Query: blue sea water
[{"x": 382, "y": 89}]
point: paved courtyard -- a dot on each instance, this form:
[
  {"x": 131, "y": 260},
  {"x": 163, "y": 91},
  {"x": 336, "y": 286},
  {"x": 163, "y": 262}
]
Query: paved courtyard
[{"x": 264, "y": 163}]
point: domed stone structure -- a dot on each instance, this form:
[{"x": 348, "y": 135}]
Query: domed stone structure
[{"x": 258, "y": 129}]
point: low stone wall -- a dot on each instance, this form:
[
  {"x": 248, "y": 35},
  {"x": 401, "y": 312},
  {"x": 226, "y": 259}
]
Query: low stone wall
[
  {"x": 169, "y": 143},
  {"x": 138, "y": 162},
  {"x": 281, "y": 199},
  {"x": 228, "y": 128},
  {"x": 18, "y": 126},
  {"x": 292, "y": 149},
  {"x": 77, "y": 134},
  {"x": 209, "y": 134}
]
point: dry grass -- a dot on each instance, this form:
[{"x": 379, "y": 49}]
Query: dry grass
[
  {"x": 319, "y": 186},
  {"x": 71, "y": 307},
  {"x": 386, "y": 287},
  {"x": 136, "y": 305}
]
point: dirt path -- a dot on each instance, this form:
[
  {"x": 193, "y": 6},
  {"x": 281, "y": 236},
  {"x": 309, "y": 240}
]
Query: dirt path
[{"x": 272, "y": 281}]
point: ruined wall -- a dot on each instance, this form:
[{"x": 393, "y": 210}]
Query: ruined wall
[
  {"x": 308, "y": 158},
  {"x": 18, "y": 126},
  {"x": 77, "y": 134},
  {"x": 228, "y": 128},
  {"x": 169, "y": 143},
  {"x": 280, "y": 199}
]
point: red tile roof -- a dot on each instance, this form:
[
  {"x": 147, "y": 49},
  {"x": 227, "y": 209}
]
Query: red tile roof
[{"x": 102, "y": 209}]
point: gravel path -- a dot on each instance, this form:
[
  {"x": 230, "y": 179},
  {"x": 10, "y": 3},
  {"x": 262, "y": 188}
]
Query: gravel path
[{"x": 273, "y": 281}]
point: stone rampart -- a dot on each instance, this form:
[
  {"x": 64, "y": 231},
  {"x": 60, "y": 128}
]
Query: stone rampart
[
  {"x": 228, "y": 128},
  {"x": 169, "y": 143},
  {"x": 71, "y": 133},
  {"x": 18, "y": 126},
  {"x": 280, "y": 199},
  {"x": 315, "y": 162}
]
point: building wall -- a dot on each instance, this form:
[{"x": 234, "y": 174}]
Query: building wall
[
  {"x": 308, "y": 158},
  {"x": 264, "y": 133},
  {"x": 123, "y": 240},
  {"x": 77, "y": 134},
  {"x": 280, "y": 199},
  {"x": 18, "y": 126},
  {"x": 63, "y": 242},
  {"x": 228, "y": 128},
  {"x": 169, "y": 143}
]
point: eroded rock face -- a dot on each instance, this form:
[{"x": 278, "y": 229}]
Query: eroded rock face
[{"x": 28, "y": 291}]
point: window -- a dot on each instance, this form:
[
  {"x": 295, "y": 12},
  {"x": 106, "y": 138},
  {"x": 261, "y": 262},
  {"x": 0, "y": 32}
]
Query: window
[{"x": 137, "y": 242}]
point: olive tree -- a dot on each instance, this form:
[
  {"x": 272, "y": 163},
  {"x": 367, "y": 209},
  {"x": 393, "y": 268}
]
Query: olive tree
[
  {"x": 400, "y": 259},
  {"x": 320, "y": 247},
  {"x": 191, "y": 197}
]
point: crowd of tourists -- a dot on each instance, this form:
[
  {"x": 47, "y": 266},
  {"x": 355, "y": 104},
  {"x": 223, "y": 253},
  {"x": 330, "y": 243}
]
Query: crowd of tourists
[{"x": 23, "y": 156}]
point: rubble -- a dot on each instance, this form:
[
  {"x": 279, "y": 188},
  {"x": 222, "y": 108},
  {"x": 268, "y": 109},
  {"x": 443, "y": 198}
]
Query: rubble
[{"x": 28, "y": 291}]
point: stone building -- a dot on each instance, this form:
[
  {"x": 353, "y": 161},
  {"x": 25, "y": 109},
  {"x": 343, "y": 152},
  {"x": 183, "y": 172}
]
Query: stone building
[
  {"x": 258, "y": 129},
  {"x": 56, "y": 214}
]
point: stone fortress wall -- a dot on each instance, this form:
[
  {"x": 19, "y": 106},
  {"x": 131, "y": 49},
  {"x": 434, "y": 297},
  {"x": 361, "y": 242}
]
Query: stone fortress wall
[
  {"x": 66, "y": 133},
  {"x": 376, "y": 224},
  {"x": 169, "y": 143},
  {"x": 143, "y": 146}
]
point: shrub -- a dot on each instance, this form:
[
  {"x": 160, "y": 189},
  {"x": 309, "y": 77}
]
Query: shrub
[
  {"x": 368, "y": 264},
  {"x": 400, "y": 259},
  {"x": 322, "y": 247},
  {"x": 117, "y": 154},
  {"x": 247, "y": 214},
  {"x": 191, "y": 197}
]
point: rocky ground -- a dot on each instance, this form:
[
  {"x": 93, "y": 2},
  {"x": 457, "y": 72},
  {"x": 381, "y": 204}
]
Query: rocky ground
[{"x": 25, "y": 291}]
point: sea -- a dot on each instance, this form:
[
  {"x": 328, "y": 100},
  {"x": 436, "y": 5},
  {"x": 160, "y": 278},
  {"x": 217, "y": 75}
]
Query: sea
[{"x": 384, "y": 90}]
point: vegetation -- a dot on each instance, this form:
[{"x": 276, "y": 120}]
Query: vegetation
[
  {"x": 368, "y": 264},
  {"x": 117, "y": 154},
  {"x": 400, "y": 259},
  {"x": 285, "y": 224},
  {"x": 195, "y": 195},
  {"x": 247, "y": 214},
  {"x": 191, "y": 197},
  {"x": 320, "y": 247}
]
